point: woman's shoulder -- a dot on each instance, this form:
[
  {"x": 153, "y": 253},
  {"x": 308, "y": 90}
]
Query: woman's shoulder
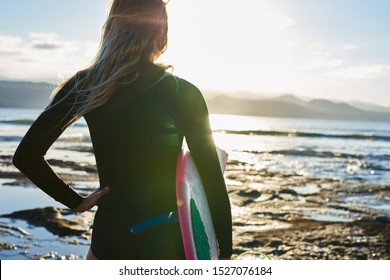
[
  {"x": 188, "y": 87},
  {"x": 189, "y": 92},
  {"x": 183, "y": 88}
]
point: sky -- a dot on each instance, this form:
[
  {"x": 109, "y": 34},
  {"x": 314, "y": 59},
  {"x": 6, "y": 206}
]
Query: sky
[{"x": 330, "y": 49}]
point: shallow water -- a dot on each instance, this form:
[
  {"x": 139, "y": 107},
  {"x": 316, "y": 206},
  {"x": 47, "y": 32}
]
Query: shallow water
[
  {"x": 39, "y": 244},
  {"x": 18, "y": 198}
]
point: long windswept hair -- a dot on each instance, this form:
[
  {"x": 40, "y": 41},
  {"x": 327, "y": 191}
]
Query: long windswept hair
[{"x": 135, "y": 30}]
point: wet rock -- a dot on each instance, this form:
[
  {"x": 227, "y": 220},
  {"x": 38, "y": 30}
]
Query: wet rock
[
  {"x": 13, "y": 228},
  {"x": 307, "y": 239},
  {"x": 288, "y": 191},
  {"x": 54, "y": 256},
  {"x": 72, "y": 165},
  {"x": 52, "y": 219},
  {"x": 10, "y": 246},
  {"x": 249, "y": 193}
]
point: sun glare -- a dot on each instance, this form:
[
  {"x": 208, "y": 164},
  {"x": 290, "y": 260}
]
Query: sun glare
[{"x": 225, "y": 45}]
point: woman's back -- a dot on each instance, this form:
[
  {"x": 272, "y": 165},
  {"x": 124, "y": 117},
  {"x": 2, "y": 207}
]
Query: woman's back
[{"x": 136, "y": 142}]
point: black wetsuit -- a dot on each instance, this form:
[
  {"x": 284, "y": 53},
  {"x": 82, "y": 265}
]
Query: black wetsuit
[{"x": 137, "y": 136}]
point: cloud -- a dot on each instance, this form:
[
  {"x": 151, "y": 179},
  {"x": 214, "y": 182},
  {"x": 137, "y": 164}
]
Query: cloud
[
  {"x": 45, "y": 41},
  {"x": 350, "y": 47},
  {"x": 325, "y": 63},
  {"x": 9, "y": 45},
  {"x": 46, "y": 46},
  {"x": 366, "y": 72},
  {"x": 42, "y": 56},
  {"x": 321, "y": 64},
  {"x": 319, "y": 59},
  {"x": 283, "y": 21}
]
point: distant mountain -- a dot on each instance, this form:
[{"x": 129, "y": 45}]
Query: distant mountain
[
  {"x": 263, "y": 107},
  {"x": 370, "y": 107},
  {"x": 290, "y": 99},
  {"x": 330, "y": 107},
  {"x": 239, "y": 94},
  {"x": 293, "y": 107},
  {"x": 24, "y": 94},
  {"x": 36, "y": 95}
]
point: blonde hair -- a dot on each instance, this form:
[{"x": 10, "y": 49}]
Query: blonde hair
[{"x": 135, "y": 30}]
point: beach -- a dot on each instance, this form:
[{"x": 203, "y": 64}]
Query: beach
[{"x": 297, "y": 193}]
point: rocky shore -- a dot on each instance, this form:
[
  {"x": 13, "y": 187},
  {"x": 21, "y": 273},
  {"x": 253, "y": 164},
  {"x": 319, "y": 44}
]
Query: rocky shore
[{"x": 286, "y": 216}]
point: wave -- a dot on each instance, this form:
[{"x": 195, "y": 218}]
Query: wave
[
  {"x": 29, "y": 122},
  {"x": 17, "y": 122},
  {"x": 374, "y": 162},
  {"x": 72, "y": 138},
  {"x": 308, "y": 153},
  {"x": 10, "y": 138},
  {"x": 307, "y": 134},
  {"x": 384, "y": 158},
  {"x": 75, "y": 137}
]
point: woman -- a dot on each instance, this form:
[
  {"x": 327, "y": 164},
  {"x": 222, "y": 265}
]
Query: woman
[{"x": 137, "y": 115}]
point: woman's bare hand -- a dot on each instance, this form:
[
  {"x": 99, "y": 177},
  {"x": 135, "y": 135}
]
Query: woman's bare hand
[{"x": 91, "y": 200}]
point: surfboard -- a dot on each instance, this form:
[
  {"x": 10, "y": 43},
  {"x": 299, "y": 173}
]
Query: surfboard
[{"x": 196, "y": 224}]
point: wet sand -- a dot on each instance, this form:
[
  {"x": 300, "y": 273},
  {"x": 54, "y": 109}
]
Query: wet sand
[{"x": 286, "y": 216}]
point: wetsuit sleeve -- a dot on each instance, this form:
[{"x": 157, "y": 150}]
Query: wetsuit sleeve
[
  {"x": 200, "y": 141},
  {"x": 29, "y": 157}
]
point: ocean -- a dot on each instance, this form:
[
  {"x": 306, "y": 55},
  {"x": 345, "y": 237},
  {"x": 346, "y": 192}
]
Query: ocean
[
  {"x": 353, "y": 152},
  {"x": 349, "y": 150}
]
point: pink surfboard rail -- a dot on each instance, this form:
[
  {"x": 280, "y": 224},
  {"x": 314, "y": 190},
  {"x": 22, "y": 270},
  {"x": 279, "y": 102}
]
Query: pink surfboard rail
[{"x": 183, "y": 205}]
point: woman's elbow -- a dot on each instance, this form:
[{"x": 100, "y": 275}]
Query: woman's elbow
[
  {"x": 17, "y": 161},
  {"x": 20, "y": 160}
]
